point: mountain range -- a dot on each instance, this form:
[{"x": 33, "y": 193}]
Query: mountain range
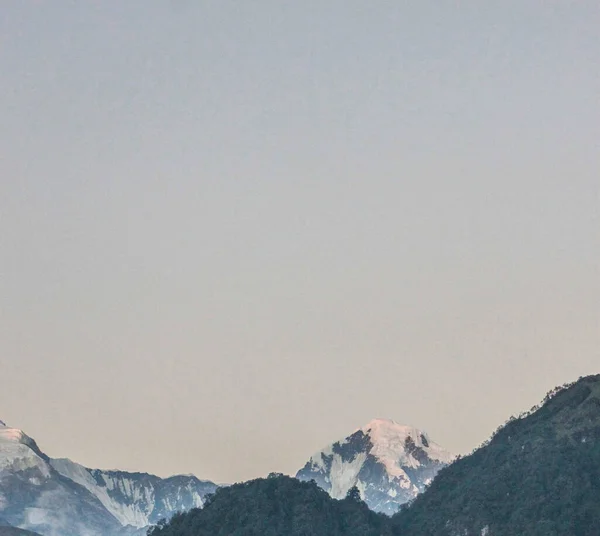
[
  {"x": 539, "y": 475},
  {"x": 388, "y": 463},
  {"x": 57, "y": 497}
]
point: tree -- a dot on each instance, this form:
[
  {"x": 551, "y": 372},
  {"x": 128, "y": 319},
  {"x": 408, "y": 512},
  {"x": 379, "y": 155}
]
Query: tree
[{"x": 354, "y": 494}]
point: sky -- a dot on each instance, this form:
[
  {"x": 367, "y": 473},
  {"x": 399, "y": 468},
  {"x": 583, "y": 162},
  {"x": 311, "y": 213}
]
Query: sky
[{"x": 233, "y": 232}]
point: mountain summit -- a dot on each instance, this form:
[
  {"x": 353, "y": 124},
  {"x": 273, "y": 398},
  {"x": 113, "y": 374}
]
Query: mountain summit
[
  {"x": 34, "y": 496},
  {"x": 389, "y": 463}
]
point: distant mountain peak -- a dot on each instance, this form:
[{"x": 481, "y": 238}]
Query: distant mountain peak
[
  {"x": 389, "y": 432},
  {"x": 2, "y": 424},
  {"x": 399, "y": 446},
  {"x": 14, "y": 435},
  {"x": 390, "y": 463},
  {"x": 99, "y": 502}
]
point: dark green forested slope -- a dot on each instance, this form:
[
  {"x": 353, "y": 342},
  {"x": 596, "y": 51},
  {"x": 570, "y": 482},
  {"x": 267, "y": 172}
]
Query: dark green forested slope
[
  {"x": 276, "y": 506},
  {"x": 539, "y": 475}
]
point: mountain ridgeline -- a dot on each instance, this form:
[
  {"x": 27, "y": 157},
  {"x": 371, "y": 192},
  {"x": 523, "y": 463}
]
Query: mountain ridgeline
[
  {"x": 57, "y": 497},
  {"x": 137, "y": 499},
  {"x": 277, "y": 506},
  {"x": 389, "y": 464},
  {"x": 539, "y": 475}
]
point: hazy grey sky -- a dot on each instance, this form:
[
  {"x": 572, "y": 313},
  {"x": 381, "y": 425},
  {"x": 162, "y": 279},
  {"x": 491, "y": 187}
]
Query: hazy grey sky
[{"x": 231, "y": 232}]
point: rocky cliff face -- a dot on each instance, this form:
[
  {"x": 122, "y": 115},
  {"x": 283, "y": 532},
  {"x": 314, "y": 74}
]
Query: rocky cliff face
[{"x": 137, "y": 499}]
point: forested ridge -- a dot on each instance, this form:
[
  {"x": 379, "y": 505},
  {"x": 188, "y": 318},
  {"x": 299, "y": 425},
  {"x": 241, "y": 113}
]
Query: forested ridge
[
  {"x": 539, "y": 475},
  {"x": 275, "y": 506}
]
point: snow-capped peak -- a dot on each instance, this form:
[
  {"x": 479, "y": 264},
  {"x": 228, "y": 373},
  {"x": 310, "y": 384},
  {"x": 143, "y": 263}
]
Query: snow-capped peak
[
  {"x": 18, "y": 450},
  {"x": 390, "y": 464},
  {"x": 12, "y": 434},
  {"x": 384, "y": 430},
  {"x": 394, "y": 445}
]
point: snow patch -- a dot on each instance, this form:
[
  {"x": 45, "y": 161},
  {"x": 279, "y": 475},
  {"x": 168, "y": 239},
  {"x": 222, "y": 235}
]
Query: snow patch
[
  {"x": 344, "y": 474},
  {"x": 318, "y": 460},
  {"x": 132, "y": 498},
  {"x": 389, "y": 440},
  {"x": 15, "y": 453},
  {"x": 136, "y": 511},
  {"x": 36, "y": 516}
]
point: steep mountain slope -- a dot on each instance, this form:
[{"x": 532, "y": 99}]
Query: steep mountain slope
[
  {"x": 34, "y": 496},
  {"x": 12, "y": 531},
  {"x": 277, "y": 506},
  {"x": 6, "y": 529},
  {"x": 138, "y": 499},
  {"x": 538, "y": 475},
  {"x": 62, "y": 498},
  {"x": 390, "y": 464}
]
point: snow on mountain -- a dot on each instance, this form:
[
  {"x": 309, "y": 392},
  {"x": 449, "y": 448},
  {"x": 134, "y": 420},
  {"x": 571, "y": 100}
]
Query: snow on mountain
[
  {"x": 34, "y": 496},
  {"x": 389, "y": 463},
  {"x": 137, "y": 499},
  {"x": 63, "y": 498},
  {"x": 19, "y": 452}
]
